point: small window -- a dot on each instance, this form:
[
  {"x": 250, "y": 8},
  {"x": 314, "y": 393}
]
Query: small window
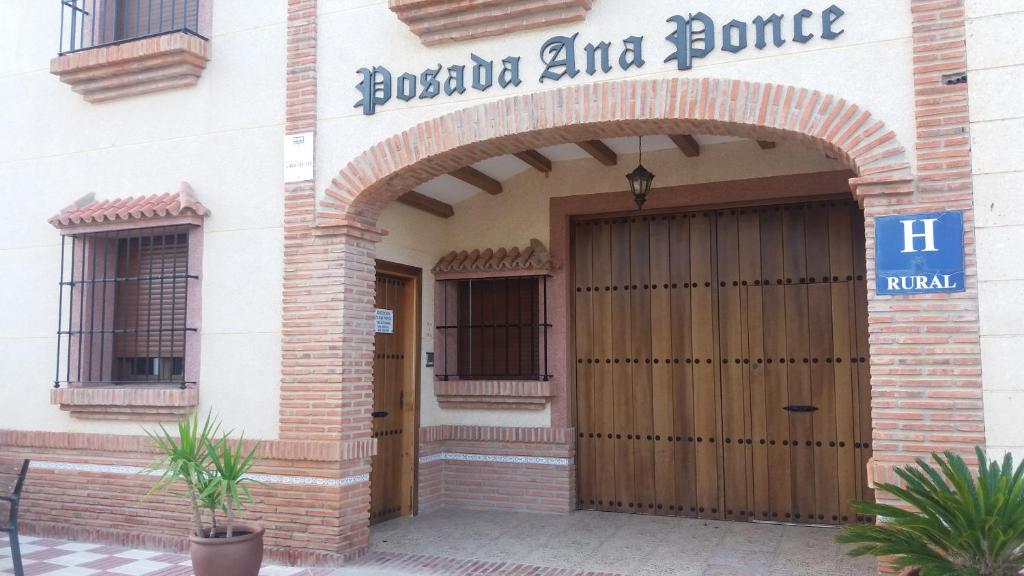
[
  {"x": 494, "y": 329},
  {"x": 124, "y": 307}
]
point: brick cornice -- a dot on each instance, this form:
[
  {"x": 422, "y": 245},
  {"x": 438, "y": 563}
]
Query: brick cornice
[
  {"x": 441, "y": 21},
  {"x": 346, "y": 227},
  {"x": 512, "y": 434},
  {"x": 142, "y": 445},
  {"x": 141, "y": 66},
  {"x": 115, "y": 403},
  {"x": 501, "y": 395}
]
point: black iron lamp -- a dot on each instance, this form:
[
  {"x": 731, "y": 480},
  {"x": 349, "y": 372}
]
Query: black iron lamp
[{"x": 640, "y": 179}]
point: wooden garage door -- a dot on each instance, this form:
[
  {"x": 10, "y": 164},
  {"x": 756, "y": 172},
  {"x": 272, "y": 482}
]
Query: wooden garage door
[{"x": 721, "y": 363}]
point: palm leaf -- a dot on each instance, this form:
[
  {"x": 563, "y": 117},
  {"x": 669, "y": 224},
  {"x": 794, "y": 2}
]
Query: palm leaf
[{"x": 951, "y": 521}]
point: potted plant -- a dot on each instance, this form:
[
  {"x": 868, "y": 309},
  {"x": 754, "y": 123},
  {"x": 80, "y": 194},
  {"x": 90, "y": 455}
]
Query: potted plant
[
  {"x": 954, "y": 522},
  {"x": 213, "y": 470}
]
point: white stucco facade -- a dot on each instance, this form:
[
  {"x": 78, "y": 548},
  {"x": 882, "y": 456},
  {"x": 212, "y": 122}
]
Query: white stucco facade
[
  {"x": 356, "y": 34},
  {"x": 225, "y": 138},
  {"x": 996, "y": 76}
]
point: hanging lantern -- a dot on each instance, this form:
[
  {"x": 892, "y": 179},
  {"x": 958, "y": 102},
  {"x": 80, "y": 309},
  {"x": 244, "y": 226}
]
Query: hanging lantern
[{"x": 640, "y": 180}]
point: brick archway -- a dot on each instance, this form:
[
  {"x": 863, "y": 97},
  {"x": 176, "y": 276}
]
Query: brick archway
[
  {"x": 925, "y": 362},
  {"x": 753, "y": 110},
  {"x": 347, "y": 212}
]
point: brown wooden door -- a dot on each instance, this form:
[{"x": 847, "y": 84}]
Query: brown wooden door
[
  {"x": 394, "y": 372},
  {"x": 721, "y": 363}
]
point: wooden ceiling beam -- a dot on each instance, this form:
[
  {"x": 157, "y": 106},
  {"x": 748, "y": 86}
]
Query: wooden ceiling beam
[
  {"x": 766, "y": 144},
  {"x": 535, "y": 159},
  {"x": 476, "y": 178},
  {"x": 427, "y": 204},
  {"x": 600, "y": 151},
  {"x": 688, "y": 144}
]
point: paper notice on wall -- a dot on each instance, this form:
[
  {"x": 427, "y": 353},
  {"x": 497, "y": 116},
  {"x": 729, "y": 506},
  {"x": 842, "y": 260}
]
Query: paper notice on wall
[
  {"x": 298, "y": 157},
  {"x": 384, "y": 321}
]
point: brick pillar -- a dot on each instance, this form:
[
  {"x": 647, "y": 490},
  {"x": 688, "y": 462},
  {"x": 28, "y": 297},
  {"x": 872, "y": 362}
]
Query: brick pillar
[
  {"x": 925, "y": 349},
  {"x": 327, "y": 317}
]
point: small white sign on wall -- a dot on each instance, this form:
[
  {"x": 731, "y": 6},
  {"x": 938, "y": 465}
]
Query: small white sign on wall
[
  {"x": 298, "y": 157},
  {"x": 384, "y": 321}
]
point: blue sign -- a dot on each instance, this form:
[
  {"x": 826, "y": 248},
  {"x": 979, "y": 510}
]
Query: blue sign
[{"x": 920, "y": 253}]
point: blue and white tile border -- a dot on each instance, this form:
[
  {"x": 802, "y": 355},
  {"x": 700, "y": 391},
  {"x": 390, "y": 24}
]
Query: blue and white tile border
[
  {"x": 492, "y": 458},
  {"x": 265, "y": 478}
]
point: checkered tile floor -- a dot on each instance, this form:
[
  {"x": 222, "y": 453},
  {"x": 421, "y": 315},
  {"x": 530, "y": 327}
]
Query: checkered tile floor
[
  {"x": 61, "y": 558},
  {"x": 50, "y": 557}
]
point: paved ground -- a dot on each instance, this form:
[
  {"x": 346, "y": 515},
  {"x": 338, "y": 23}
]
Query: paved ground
[
  {"x": 619, "y": 543},
  {"x": 463, "y": 543}
]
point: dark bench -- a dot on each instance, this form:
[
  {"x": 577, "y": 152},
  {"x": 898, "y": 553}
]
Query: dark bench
[{"x": 12, "y": 480}]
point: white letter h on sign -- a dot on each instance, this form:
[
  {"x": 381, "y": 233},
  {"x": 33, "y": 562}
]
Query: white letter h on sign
[{"x": 909, "y": 235}]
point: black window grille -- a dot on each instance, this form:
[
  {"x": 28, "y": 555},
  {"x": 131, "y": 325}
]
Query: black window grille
[
  {"x": 123, "y": 307},
  {"x": 493, "y": 329},
  {"x": 86, "y": 24}
]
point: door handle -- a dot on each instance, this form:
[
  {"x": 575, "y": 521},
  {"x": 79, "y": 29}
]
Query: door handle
[
  {"x": 379, "y": 414},
  {"x": 800, "y": 408}
]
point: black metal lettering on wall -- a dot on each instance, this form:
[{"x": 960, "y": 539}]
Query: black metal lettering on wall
[{"x": 693, "y": 37}]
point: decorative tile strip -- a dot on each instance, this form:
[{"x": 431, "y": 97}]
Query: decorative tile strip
[
  {"x": 459, "y": 457},
  {"x": 309, "y": 480},
  {"x": 96, "y": 468},
  {"x": 431, "y": 458},
  {"x": 265, "y": 478}
]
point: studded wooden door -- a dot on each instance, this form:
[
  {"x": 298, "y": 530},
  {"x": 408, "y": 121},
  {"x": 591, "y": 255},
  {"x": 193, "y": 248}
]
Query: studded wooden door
[
  {"x": 721, "y": 363},
  {"x": 393, "y": 405}
]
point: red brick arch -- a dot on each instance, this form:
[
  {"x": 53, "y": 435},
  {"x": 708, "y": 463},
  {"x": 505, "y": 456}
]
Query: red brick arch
[{"x": 630, "y": 107}]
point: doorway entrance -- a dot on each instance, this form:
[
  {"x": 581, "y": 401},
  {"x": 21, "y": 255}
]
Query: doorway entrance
[
  {"x": 722, "y": 363},
  {"x": 395, "y": 392}
]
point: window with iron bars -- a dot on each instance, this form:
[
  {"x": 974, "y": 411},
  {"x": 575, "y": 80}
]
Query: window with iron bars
[
  {"x": 123, "y": 307},
  {"x": 493, "y": 329},
  {"x": 89, "y": 24}
]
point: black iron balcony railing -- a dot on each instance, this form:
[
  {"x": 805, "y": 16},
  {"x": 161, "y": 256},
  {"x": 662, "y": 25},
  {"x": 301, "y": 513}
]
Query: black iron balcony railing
[{"x": 86, "y": 24}]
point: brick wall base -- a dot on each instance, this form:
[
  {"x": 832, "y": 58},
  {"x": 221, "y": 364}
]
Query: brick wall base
[
  {"x": 313, "y": 509},
  {"x": 487, "y": 468}
]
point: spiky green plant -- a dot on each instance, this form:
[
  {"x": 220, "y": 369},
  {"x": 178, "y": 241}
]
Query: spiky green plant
[
  {"x": 211, "y": 500},
  {"x": 958, "y": 523},
  {"x": 184, "y": 458},
  {"x": 228, "y": 483}
]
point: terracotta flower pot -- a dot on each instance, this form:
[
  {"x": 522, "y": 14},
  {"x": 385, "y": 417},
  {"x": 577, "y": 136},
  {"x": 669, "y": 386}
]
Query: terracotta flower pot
[{"x": 240, "y": 555}]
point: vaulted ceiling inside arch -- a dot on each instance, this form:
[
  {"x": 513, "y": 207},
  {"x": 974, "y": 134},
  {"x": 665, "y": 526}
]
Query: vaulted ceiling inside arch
[{"x": 451, "y": 190}]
